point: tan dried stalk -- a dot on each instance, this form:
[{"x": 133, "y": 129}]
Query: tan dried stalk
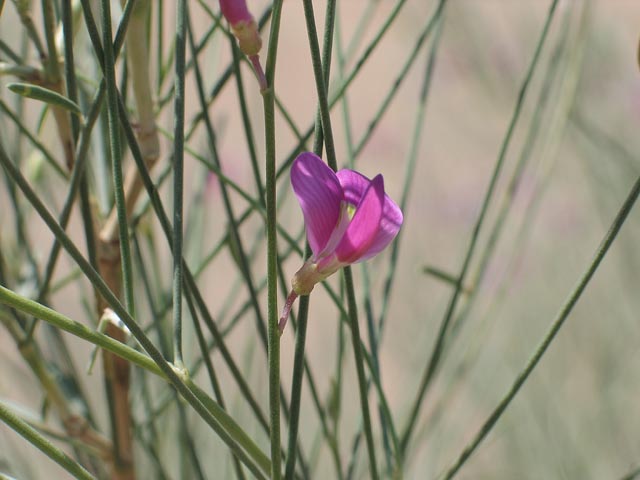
[
  {"x": 76, "y": 426},
  {"x": 116, "y": 369}
]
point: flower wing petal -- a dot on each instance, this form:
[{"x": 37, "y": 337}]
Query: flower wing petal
[
  {"x": 365, "y": 224},
  {"x": 354, "y": 185},
  {"x": 389, "y": 227},
  {"x": 320, "y": 195}
]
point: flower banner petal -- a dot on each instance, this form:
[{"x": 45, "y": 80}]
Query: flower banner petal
[
  {"x": 354, "y": 185},
  {"x": 320, "y": 195}
]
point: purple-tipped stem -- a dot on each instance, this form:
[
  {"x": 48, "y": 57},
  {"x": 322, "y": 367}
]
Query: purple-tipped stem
[
  {"x": 262, "y": 79},
  {"x": 286, "y": 310}
]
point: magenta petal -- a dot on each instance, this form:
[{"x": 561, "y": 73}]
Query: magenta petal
[
  {"x": 365, "y": 224},
  {"x": 235, "y": 11},
  {"x": 320, "y": 195},
  {"x": 354, "y": 185},
  {"x": 389, "y": 227}
]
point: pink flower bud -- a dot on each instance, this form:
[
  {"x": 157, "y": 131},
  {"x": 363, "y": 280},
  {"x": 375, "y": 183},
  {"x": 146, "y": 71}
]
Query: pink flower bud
[{"x": 243, "y": 25}]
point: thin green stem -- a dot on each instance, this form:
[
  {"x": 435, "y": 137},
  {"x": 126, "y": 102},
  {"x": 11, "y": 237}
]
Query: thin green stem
[
  {"x": 634, "y": 474},
  {"x": 438, "y": 348},
  {"x": 557, "y": 324},
  {"x": 116, "y": 155},
  {"x": 8, "y": 51},
  {"x": 272, "y": 286},
  {"x": 319, "y": 76},
  {"x": 24, "y": 12},
  {"x": 52, "y": 317},
  {"x": 331, "y": 159},
  {"x": 159, "y": 44},
  {"x": 52, "y": 66},
  {"x": 178, "y": 176},
  {"x": 225, "y": 425},
  {"x": 362, "y": 380},
  {"x": 190, "y": 284},
  {"x": 272, "y": 248},
  {"x": 41, "y": 443},
  {"x": 561, "y": 103},
  {"x": 176, "y": 379},
  {"x": 434, "y": 20},
  {"x": 36, "y": 143},
  {"x": 321, "y": 71},
  {"x": 76, "y": 179}
]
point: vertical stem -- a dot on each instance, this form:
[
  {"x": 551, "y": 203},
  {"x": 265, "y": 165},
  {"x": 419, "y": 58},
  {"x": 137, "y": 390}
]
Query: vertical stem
[
  {"x": 220, "y": 422},
  {"x": 116, "y": 154},
  {"x": 272, "y": 250},
  {"x": 114, "y": 251},
  {"x": 362, "y": 380},
  {"x": 273, "y": 337},
  {"x": 159, "y": 43},
  {"x": 296, "y": 385},
  {"x": 51, "y": 63},
  {"x": 321, "y": 70},
  {"x": 138, "y": 68},
  {"x": 178, "y": 158},
  {"x": 353, "y": 309},
  {"x": 53, "y": 81},
  {"x": 24, "y": 12}
]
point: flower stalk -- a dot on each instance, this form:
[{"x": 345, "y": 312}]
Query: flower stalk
[{"x": 268, "y": 96}]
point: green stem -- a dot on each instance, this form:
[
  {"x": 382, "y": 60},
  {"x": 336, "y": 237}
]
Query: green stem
[
  {"x": 189, "y": 279},
  {"x": 116, "y": 154},
  {"x": 321, "y": 72},
  {"x": 225, "y": 426},
  {"x": 557, "y": 324},
  {"x": 273, "y": 334},
  {"x": 362, "y": 380},
  {"x": 40, "y": 442},
  {"x": 176, "y": 379},
  {"x": 56, "y": 319},
  {"x": 52, "y": 67},
  {"x": 331, "y": 159},
  {"x": 24, "y": 12},
  {"x": 321, "y": 81},
  {"x": 436, "y": 354},
  {"x": 434, "y": 20},
  {"x": 15, "y": 119},
  {"x": 272, "y": 249},
  {"x": 178, "y": 177}
]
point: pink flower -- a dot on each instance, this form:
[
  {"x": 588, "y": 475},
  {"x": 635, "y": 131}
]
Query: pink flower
[
  {"x": 243, "y": 25},
  {"x": 348, "y": 219}
]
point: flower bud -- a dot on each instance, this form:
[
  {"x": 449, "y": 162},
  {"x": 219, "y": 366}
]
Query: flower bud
[{"x": 243, "y": 25}]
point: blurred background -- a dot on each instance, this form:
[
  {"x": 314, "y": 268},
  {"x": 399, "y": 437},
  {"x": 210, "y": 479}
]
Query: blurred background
[{"x": 566, "y": 170}]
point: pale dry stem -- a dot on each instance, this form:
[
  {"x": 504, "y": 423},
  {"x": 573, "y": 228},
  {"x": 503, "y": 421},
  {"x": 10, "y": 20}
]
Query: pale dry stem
[{"x": 116, "y": 369}]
